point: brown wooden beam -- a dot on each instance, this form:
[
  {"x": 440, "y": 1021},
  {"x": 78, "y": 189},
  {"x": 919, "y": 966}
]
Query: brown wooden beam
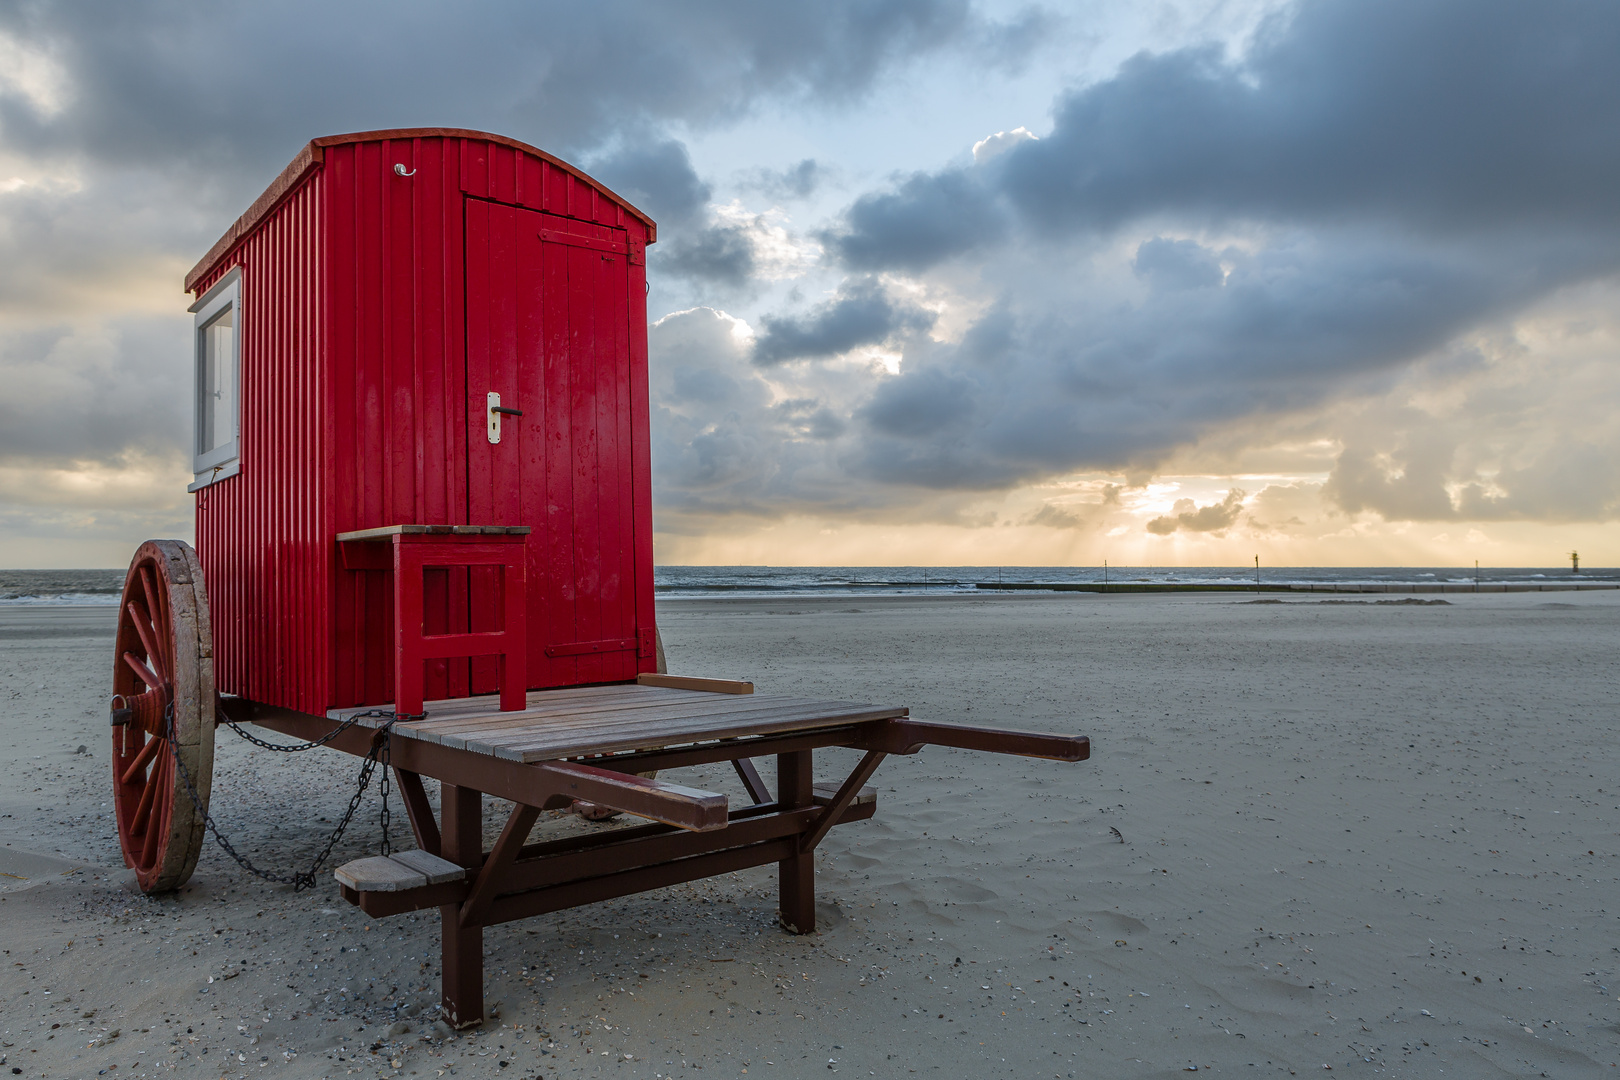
[
  {"x": 381, "y": 905},
  {"x": 683, "y": 807},
  {"x": 493, "y": 873},
  {"x": 910, "y": 736},
  {"x": 461, "y": 811},
  {"x": 596, "y": 889},
  {"x": 846, "y": 794},
  {"x": 600, "y": 838},
  {"x": 751, "y": 780},
  {"x": 418, "y": 809},
  {"x": 563, "y": 862},
  {"x": 756, "y": 746},
  {"x": 612, "y": 858},
  {"x": 796, "y": 872}
]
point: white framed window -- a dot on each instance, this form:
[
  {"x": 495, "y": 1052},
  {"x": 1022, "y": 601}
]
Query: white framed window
[{"x": 217, "y": 343}]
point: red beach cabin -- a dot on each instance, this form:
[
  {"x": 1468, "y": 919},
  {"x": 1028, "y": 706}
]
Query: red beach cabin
[{"x": 440, "y": 336}]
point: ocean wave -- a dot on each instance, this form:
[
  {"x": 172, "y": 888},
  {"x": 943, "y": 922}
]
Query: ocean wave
[{"x": 66, "y": 599}]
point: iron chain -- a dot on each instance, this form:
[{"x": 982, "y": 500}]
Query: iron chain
[
  {"x": 378, "y": 755},
  {"x": 294, "y": 748}
]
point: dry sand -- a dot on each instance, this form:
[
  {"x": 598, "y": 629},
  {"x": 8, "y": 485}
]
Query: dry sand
[{"x": 1375, "y": 837}]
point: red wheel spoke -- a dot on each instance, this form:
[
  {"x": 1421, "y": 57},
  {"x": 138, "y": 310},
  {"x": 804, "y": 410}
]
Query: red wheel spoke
[
  {"x": 141, "y": 760},
  {"x": 143, "y": 671},
  {"x": 156, "y": 613},
  {"x": 153, "y": 657},
  {"x": 157, "y": 820},
  {"x": 148, "y": 796}
]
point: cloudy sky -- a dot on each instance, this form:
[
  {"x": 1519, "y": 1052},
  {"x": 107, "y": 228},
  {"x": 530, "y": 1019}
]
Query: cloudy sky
[{"x": 1331, "y": 282}]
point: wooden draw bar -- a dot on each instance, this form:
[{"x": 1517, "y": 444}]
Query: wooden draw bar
[{"x": 589, "y": 743}]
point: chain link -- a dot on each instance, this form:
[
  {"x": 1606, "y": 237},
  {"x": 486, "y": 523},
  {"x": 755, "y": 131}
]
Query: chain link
[
  {"x": 387, "y": 847},
  {"x": 378, "y": 755},
  {"x": 294, "y": 748}
]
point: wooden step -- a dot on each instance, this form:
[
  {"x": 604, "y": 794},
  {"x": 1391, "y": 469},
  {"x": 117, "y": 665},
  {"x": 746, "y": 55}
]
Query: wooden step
[{"x": 398, "y": 872}]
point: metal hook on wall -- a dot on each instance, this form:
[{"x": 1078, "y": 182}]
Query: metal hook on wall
[{"x": 399, "y": 170}]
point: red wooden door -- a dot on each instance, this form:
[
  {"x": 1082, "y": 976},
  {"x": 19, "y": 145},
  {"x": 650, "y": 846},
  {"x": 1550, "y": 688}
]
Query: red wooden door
[{"x": 548, "y": 330}]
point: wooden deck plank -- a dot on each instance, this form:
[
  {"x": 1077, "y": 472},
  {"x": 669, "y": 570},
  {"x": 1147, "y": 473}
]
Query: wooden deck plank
[
  {"x": 560, "y": 747},
  {"x": 538, "y": 701},
  {"x": 450, "y": 730},
  {"x": 807, "y": 713},
  {"x": 641, "y": 716},
  {"x": 544, "y": 742},
  {"x": 484, "y": 717},
  {"x": 605, "y": 722}
]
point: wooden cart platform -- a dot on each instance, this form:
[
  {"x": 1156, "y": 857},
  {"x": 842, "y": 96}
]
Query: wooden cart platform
[
  {"x": 592, "y": 744},
  {"x": 588, "y": 720}
]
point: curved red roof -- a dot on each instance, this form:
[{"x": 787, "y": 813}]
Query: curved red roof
[{"x": 314, "y": 152}]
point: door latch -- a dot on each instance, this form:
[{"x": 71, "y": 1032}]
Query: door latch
[{"x": 492, "y": 401}]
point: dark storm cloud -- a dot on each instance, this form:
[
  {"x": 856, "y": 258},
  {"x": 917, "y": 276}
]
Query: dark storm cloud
[
  {"x": 863, "y": 313},
  {"x": 928, "y": 219},
  {"x": 212, "y": 107},
  {"x": 1381, "y": 176},
  {"x": 719, "y": 254},
  {"x": 719, "y": 444},
  {"x": 1059, "y": 382},
  {"x": 1177, "y": 264},
  {"x": 657, "y": 175},
  {"x": 249, "y": 83},
  {"x": 798, "y": 181},
  {"x": 1446, "y": 117}
]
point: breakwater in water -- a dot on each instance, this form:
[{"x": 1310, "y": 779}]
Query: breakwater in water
[{"x": 1399, "y": 587}]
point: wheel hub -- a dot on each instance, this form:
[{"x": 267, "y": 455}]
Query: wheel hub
[{"x": 144, "y": 711}]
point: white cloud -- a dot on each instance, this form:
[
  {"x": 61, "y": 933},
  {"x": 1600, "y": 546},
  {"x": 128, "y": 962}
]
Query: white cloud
[
  {"x": 777, "y": 252},
  {"x": 999, "y": 143}
]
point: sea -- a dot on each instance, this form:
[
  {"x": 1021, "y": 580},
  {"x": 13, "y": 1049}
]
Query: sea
[{"x": 96, "y": 587}]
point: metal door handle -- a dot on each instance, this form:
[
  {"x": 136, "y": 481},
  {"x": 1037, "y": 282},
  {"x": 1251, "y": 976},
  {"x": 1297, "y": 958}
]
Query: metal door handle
[{"x": 495, "y": 410}]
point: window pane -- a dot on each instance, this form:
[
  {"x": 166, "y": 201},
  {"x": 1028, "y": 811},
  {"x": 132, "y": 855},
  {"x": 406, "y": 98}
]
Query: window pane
[{"x": 218, "y": 405}]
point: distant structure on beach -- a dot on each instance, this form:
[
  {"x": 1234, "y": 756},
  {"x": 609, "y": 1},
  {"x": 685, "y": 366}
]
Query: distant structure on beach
[{"x": 1574, "y": 562}]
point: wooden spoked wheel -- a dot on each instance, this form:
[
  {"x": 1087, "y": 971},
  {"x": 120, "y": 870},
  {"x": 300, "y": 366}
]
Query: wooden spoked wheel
[{"x": 163, "y": 682}]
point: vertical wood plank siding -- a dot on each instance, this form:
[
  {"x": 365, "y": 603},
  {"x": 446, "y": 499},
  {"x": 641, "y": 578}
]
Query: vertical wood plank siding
[
  {"x": 357, "y": 412},
  {"x": 266, "y": 559}
]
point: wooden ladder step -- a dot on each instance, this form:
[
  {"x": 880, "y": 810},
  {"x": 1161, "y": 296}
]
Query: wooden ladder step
[{"x": 397, "y": 873}]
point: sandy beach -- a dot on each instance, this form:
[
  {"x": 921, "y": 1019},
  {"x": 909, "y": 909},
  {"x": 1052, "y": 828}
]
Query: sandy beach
[{"x": 1358, "y": 835}]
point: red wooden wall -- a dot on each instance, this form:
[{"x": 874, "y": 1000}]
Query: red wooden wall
[
  {"x": 260, "y": 535},
  {"x": 360, "y": 409}
]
